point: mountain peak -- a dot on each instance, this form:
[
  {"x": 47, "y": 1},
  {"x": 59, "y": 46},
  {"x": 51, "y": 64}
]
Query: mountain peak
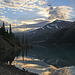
[
  {"x": 60, "y": 21},
  {"x": 57, "y": 24}
]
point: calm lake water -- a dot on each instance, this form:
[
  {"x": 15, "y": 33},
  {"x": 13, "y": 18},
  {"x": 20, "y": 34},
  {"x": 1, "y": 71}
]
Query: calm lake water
[{"x": 44, "y": 60}]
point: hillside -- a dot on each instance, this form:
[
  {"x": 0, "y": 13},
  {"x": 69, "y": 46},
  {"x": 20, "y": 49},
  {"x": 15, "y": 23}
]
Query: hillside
[
  {"x": 58, "y": 31},
  {"x": 8, "y": 44},
  {"x": 42, "y": 34},
  {"x": 8, "y": 41},
  {"x": 64, "y": 36}
]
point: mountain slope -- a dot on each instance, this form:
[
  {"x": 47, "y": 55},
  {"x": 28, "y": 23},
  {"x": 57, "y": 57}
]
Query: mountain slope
[
  {"x": 47, "y": 31},
  {"x": 64, "y": 36}
]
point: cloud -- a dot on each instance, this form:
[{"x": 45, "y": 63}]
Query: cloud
[
  {"x": 19, "y": 7},
  {"x": 43, "y": 13},
  {"x": 20, "y": 4},
  {"x": 29, "y": 22},
  {"x": 30, "y": 25},
  {"x": 1, "y": 13},
  {"x": 1, "y": 6},
  {"x": 35, "y": 21},
  {"x": 5, "y": 19},
  {"x": 21, "y": 10},
  {"x": 23, "y": 29},
  {"x": 59, "y": 12},
  {"x": 15, "y": 20},
  {"x": 30, "y": 12},
  {"x": 2, "y": 16},
  {"x": 5, "y": 11},
  {"x": 42, "y": 2}
]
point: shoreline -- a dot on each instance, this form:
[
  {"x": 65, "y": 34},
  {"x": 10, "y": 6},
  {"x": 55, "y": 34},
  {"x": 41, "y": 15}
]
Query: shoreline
[{"x": 12, "y": 70}]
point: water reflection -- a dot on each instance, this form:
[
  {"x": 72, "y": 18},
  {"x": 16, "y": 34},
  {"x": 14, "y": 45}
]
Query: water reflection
[
  {"x": 41, "y": 58},
  {"x": 31, "y": 64},
  {"x": 42, "y": 68},
  {"x": 56, "y": 55}
]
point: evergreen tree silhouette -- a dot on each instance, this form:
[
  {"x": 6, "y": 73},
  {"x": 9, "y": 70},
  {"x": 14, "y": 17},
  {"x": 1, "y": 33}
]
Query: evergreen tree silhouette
[
  {"x": 26, "y": 41},
  {"x": 2, "y": 29},
  {"x": 3, "y": 26},
  {"x": 10, "y": 30},
  {"x": 7, "y": 31},
  {"x": 23, "y": 39}
]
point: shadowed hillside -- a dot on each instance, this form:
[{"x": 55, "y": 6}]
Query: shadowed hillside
[
  {"x": 63, "y": 36},
  {"x": 8, "y": 41}
]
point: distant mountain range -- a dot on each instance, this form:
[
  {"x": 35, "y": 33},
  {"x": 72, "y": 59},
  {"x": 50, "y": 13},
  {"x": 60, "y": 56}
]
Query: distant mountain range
[{"x": 48, "y": 34}]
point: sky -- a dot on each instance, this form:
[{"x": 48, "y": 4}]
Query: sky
[{"x": 25, "y": 15}]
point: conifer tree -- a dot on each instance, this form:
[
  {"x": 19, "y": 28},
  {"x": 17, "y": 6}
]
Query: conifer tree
[
  {"x": 26, "y": 41},
  {"x": 7, "y": 31},
  {"x": 10, "y": 29},
  {"x": 3, "y": 27},
  {"x": 23, "y": 39}
]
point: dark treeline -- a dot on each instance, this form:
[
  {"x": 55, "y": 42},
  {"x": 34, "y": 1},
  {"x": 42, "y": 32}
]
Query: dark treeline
[
  {"x": 5, "y": 32},
  {"x": 8, "y": 34},
  {"x": 25, "y": 43}
]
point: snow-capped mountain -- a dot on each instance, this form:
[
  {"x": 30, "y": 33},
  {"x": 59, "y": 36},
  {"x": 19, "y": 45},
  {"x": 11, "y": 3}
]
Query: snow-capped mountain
[
  {"x": 58, "y": 24},
  {"x": 64, "y": 36},
  {"x": 47, "y": 31}
]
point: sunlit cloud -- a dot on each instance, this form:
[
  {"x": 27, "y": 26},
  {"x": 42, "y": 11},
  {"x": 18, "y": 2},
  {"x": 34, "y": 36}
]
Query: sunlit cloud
[
  {"x": 35, "y": 21},
  {"x": 2, "y": 16},
  {"x": 19, "y": 4},
  {"x": 1, "y": 6},
  {"x": 21, "y": 10},
  {"x": 42, "y": 2},
  {"x": 59, "y": 12},
  {"x": 15, "y": 20},
  {"x": 29, "y": 22},
  {"x": 43, "y": 13},
  {"x": 23, "y": 29},
  {"x": 30, "y": 12},
  {"x": 1, "y": 13},
  {"x": 5, "y": 11},
  {"x": 5, "y": 19}
]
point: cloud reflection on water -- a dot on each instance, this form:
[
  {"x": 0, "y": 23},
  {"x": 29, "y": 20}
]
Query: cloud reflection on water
[{"x": 38, "y": 66}]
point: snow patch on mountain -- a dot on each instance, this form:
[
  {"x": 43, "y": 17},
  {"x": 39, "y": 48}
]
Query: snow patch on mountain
[
  {"x": 42, "y": 28},
  {"x": 49, "y": 27},
  {"x": 55, "y": 25},
  {"x": 58, "y": 21}
]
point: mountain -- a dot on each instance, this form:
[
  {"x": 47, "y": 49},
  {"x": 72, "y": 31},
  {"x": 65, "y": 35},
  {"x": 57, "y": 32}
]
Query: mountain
[
  {"x": 42, "y": 34},
  {"x": 57, "y": 24},
  {"x": 64, "y": 36},
  {"x": 31, "y": 26}
]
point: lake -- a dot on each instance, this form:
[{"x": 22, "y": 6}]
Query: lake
[{"x": 44, "y": 60}]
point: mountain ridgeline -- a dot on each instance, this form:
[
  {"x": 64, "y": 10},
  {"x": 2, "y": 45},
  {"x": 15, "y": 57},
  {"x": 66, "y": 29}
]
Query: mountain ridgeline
[
  {"x": 64, "y": 36},
  {"x": 57, "y": 32}
]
